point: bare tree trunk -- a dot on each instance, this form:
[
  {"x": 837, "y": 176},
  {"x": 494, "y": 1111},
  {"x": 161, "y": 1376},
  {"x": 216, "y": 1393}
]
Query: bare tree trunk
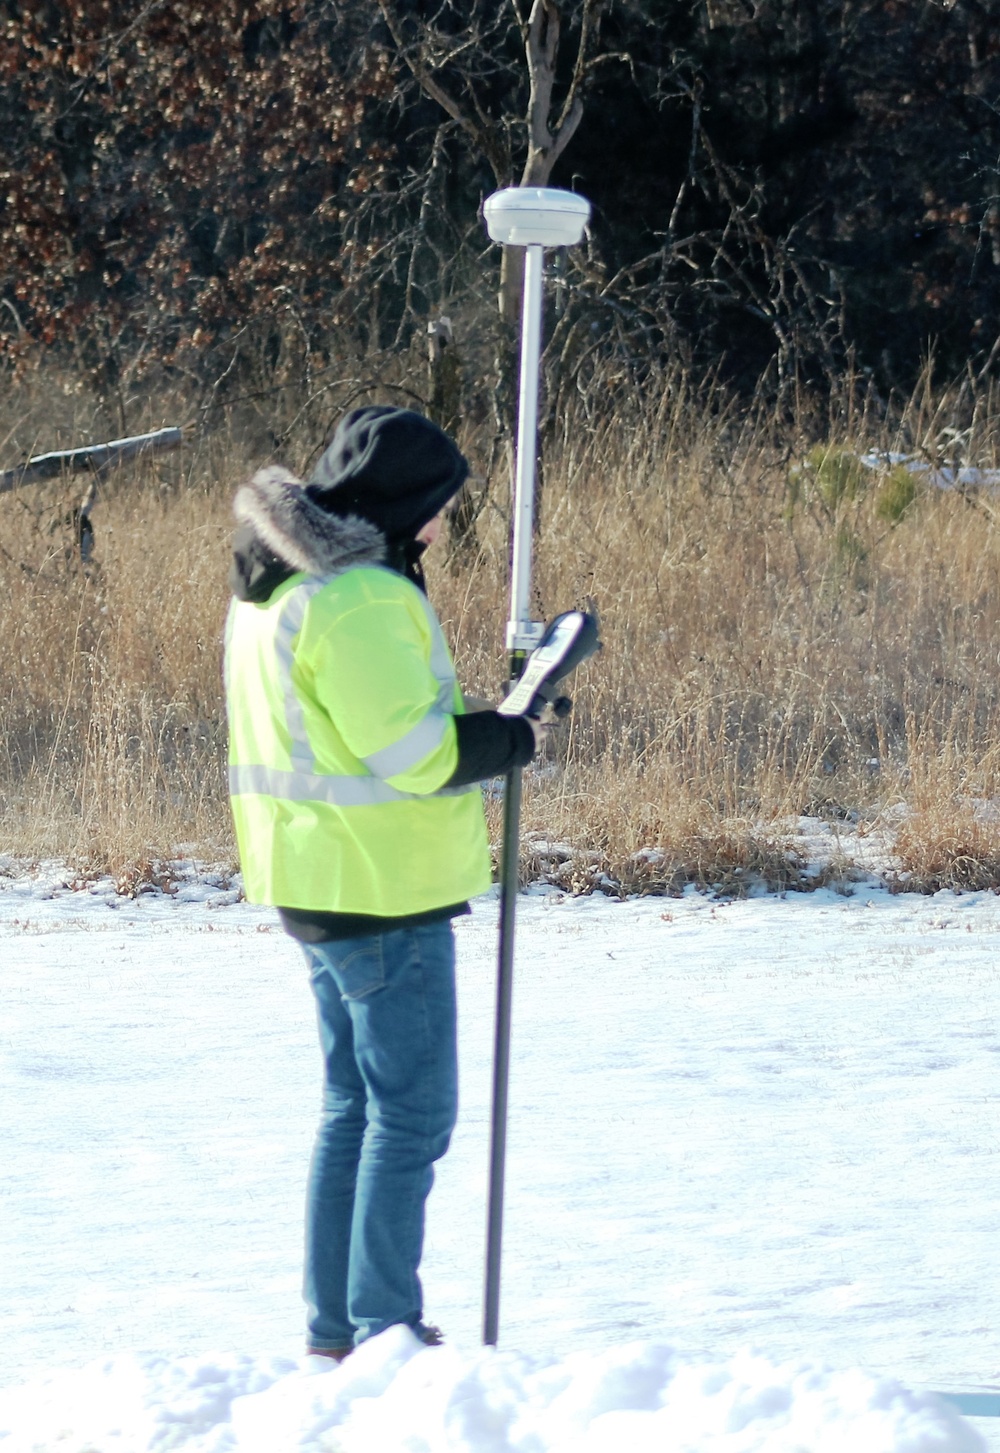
[
  {"x": 511, "y": 279},
  {"x": 444, "y": 368},
  {"x": 547, "y": 139}
]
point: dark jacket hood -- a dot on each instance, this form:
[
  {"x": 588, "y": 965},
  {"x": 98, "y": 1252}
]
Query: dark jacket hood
[{"x": 393, "y": 467}]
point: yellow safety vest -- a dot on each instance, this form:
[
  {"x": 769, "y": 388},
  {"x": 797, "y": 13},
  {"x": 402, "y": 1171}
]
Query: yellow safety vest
[{"x": 342, "y": 698}]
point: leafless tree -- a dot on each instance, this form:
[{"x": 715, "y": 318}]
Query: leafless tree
[{"x": 499, "y": 72}]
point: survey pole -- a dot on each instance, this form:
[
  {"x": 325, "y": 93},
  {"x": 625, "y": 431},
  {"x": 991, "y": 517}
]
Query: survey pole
[{"x": 533, "y": 218}]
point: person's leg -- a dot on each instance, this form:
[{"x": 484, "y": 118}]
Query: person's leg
[
  {"x": 334, "y": 1168},
  {"x": 400, "y": 994}
]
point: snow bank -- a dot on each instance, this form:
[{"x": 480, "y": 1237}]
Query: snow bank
[{"x": 393, "y": 1394}]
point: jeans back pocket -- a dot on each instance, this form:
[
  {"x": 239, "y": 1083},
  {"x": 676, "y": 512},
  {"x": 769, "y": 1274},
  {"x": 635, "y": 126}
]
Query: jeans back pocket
[{"x": 361, "y": 970}]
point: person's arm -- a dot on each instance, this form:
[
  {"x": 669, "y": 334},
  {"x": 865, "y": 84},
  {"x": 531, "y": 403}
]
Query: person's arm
[
  {"x": 489, "y": 745},
  {"x": 372, "y": 677}
]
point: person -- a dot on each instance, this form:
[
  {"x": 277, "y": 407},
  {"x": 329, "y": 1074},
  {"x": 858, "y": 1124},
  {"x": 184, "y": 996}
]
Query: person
[{"x": 354, "y": 774}]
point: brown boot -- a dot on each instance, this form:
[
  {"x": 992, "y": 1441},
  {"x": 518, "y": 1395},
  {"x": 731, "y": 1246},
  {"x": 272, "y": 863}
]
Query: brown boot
[{"x": 335, "y": 1354}]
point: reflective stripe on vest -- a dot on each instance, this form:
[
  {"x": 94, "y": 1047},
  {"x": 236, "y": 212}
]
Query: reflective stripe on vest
[
  {"x": 408, "y": 750},
  {"x": 293, "y": 610},
  {"x": 335, "y": 791}
]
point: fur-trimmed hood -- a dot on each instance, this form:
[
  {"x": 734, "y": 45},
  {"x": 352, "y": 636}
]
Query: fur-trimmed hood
[{"x": 283, "y": 531}]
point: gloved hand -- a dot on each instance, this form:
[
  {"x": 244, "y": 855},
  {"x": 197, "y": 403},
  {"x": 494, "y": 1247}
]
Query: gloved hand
[
  {"x": 552, "y": 713},
  {"x": 540, "y": 730}
]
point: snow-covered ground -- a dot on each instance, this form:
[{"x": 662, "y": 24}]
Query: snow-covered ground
[{"x": 771, "y": 1124}]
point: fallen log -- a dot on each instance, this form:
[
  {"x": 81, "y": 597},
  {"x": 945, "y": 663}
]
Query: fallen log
[{"x": 96, "y": 457}]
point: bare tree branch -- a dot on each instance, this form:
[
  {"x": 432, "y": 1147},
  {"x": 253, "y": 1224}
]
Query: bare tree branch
[
  {"x": 522, "y": 22},
  {"x": 589, "y": 22},
  {"x": 482, "y": 132}
]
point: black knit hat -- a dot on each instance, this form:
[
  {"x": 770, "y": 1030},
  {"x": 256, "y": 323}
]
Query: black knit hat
[{"x": 390, "y": 466}]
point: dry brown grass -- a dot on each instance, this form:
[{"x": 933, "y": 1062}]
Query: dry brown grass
[
  {"x": 949, "y": 832},
  {"x": 767, "y": 652},
  {"x": 112, "y": 744}
]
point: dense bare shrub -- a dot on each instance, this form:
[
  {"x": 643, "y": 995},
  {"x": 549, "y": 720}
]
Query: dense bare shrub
[
  {"x": 224, "y": 185},
  {"x": 181, "y": 182}
]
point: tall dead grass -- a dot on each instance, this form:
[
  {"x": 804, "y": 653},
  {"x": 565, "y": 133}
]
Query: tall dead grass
[{"x": 776, "y": 643}]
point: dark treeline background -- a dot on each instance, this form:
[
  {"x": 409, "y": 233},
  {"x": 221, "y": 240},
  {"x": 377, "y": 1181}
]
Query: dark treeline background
[{"x": 791, "y": 184}]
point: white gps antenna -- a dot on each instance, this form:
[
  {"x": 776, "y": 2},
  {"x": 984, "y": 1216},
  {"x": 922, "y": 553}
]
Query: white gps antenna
[{"x": 533, "y": 218}]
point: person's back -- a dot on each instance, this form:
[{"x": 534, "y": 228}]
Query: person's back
[{"x": 355, "y": 724}]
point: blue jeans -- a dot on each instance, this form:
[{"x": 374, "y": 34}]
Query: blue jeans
[{"x": 386, "y": 1007}]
